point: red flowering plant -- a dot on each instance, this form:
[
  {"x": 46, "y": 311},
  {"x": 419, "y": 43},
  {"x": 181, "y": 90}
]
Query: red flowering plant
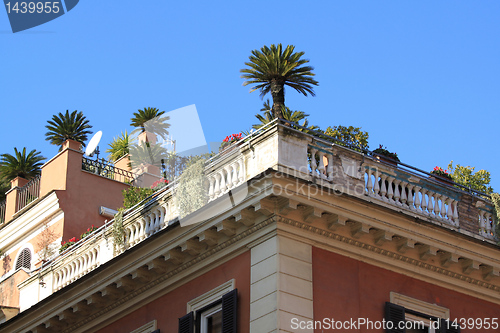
[
  {"x": 159, "y": 184},
  {"x": 229, "y": 140},
  {"x": 65, "y": 245},
  {"x": 88, "y": 232},
  {"x": 438, "y": 171}
]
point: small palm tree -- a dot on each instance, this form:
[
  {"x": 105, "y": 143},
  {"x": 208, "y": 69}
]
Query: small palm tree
[
  {"x": 119, "y": 147},
  {"x": 151, "y": 120},
  {"x": 272, "y": 68},
  {"x": 21, "y": 164},
  {"x": 66, "y": 126},
  {"x": 292, "y": 116}
]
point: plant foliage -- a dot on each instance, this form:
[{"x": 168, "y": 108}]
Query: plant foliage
[
  {"x": 151, "y": 120},
  {"x": 384, "y": 152},
  {"x": 21, "y": 164},
  {"x": 465, "y": 175},
  {"x": 271, "y": 68},
  {"x": 62, "y": 127},
  {"x": 133, "y": 195},
  {"x": 351, "y": 135},
  {"x": 119, "y": 147}
]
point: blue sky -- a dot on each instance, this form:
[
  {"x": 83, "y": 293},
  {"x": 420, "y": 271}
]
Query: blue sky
[{"x": 422, "y": 77}]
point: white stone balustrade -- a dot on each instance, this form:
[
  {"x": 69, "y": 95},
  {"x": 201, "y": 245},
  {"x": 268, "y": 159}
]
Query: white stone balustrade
[
  {"x": 146, "y": 225},
  {"x": 225, "y": 178},
  {"x": 77, "y": 266},
  {"x": 486, "y": 225},
  {"x": 411, "y": 196}
]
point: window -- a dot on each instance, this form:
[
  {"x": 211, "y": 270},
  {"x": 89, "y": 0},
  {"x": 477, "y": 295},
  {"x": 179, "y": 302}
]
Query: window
[
  {"x": 24, "y": 259},
  {"x": 220, "y": 316},
  {"x": 406, "y": 320}
]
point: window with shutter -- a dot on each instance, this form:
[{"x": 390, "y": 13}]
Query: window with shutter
[
  {"x": 402, "y": 320},
  {"x": 24, "y": 259},
  {"x": 219, "y": 316}
]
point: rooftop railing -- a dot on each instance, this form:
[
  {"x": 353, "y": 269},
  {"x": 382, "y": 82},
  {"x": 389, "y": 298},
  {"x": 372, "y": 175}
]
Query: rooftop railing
[
  {"x": 329, "y": 163},
  {"x": 28, "y": 193},
  {"x": 107, "y": 170}
]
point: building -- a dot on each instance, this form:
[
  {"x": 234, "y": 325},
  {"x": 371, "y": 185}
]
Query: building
[{"x": 299, "y": 235}]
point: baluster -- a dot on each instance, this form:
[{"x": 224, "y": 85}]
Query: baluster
[
  {"x": 443, "y": 206},
  {"x": 217, "y": 189},
  {"x": 417, "y": 198},
  {"x": 455, "y": 212},
  {"x": 449, "y": 212},
  {"x": 369, "y": 185},
  {"x": 404, "y": 197},
  {"x": 241, "y": 175},
  {"x": 223, "y": 184},
  {"x": 162, "y": 217},
  {"x": 211, "y": 187},
  {"x": 229, "y": 178},
  {"x": 313, "y": 161},
  {"x": 235, "y": 174},
  {"x": 430, "y": 204},
  {"x": 482, "y": 224},
  {"x": 142, "y": 231},
  {"x": 436, "y": 204},
  {"x": 329, "y": 169},
  {"x": 396, "y": 191},
  {"x": 410, "y": 198},
  {"x": 321, "y": 166},
  {"x": 376, "y": 185},
  {"x": 383, "y": 189},
  {"x": 489, "y": 229},
  {"x": 390, "y": 192}
]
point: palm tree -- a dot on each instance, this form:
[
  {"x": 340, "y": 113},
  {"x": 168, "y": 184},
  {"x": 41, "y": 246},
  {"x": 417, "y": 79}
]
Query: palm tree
[
  {"x": 272, "y": 68},
  {"x": 292, "y": 116},
  {"x": 21, "y": 164},
  {"x": 119, "y": 147},
  {"x": 66, "y": 126},
  {"x": 151, "y": 120}
]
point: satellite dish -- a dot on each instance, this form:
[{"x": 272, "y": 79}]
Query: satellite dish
[{"x": 89, "y": 151}]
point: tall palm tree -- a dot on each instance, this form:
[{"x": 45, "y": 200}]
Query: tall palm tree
[
  {"x": 74, "y": 126},
  {"x": 21, "y": 164},
  {"x": 119, "y": 147},
  {"x": 272, "y": 68},
  {"x": 151, "y": 120}
]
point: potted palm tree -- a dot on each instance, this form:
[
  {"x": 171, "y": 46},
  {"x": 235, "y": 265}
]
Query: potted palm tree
[
  {"x": 62, "y": 127},
  {"x": 271, "y": 68},
  {"x": 21, "y": 164},
  {"x": 150, "y": 120}
]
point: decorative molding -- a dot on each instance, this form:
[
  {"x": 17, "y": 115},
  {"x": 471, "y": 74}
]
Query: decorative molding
[{"x": 387, "y": 253}]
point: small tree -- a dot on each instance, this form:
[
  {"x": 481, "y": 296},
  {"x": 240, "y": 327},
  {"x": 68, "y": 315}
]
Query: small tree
[
  {"x": 119, "y": 147},
  {"x": 351, "y": 135},
  {"x": 45, "y": 244},
  {"x": 465, "y": 175}
]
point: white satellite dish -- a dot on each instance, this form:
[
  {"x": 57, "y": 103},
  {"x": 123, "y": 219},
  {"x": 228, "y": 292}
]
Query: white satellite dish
[{"x": 89, "y": 151}]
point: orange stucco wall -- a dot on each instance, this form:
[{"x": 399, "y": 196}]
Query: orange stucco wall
[
  {"x": 344, "y": 288},
  {"x": 168, "y": 308},
  {"x": 80, "y": 193}
]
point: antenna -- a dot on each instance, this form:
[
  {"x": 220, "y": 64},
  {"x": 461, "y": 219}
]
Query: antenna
[{"x": 92, "y": 147}]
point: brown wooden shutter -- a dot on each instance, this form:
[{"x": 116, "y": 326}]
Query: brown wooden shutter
[
  {"x": 186, "y": 323},
  {"x": 394, "y": 314},
  {"x": 230, "y": 312}
]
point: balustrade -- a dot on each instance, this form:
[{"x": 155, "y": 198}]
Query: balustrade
[
  {"x": 411, "y": 196},
  {"x": 225, "y": 178},
  {"x": 76, "y": 267}
]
